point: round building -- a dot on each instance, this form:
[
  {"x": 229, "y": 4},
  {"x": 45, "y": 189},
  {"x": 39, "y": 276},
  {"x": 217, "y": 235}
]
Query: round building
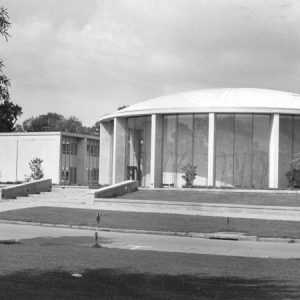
[{"x": 238, "y": 137}]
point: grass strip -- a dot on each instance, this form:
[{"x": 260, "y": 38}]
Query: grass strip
[
  {"x": 154, "y": 221},
  {"x": 268, "y": 199}
]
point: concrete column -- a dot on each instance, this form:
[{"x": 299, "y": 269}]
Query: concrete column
[
  {"x": 119, "y": 152},
  {"x": 274, "y": 152},
  {"x": 211, "y": 150},
  {"x": 105, "y": 153},
  {"x": 156, "y": 152}
]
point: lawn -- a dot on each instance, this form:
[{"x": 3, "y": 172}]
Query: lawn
[
  {"x": 246, "y": 198},
  {"x": 154, "y": 221},
  {"x": 42, "y": 268}
]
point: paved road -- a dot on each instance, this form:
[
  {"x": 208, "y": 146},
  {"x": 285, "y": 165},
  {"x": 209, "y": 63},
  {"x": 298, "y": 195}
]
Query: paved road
[{"x": 161, "y": 243}]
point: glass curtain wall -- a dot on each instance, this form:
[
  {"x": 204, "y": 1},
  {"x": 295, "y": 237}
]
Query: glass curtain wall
[
  {"x": 261, "y": 142},
  {"x": 169, "y": 150},
  {"x": 242, "y": 150},
  {"x": 69, "y": 160},
  {"x": 289, "y": 146},
  {"x": 184, "y": 143},
  {"x": 224, "y": 137},
  {"x": 200, "y": 157},
  {"x": 139, "y": 149},
  {"x": 92, "y": 161}
]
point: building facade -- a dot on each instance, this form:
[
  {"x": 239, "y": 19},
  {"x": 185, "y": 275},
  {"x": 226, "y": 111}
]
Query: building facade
[
  {"x": 243, "y": 138},
  {"x": 67, "y": 158}
]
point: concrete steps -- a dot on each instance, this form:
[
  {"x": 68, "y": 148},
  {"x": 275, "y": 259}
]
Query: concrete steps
[{"x": 77, "y": 196}]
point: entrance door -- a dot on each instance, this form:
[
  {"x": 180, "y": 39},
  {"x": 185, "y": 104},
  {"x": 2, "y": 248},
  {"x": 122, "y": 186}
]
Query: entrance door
[{"x": 135, "y": 144}]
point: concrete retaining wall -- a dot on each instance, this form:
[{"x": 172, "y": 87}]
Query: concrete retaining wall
[
  {"x": 117, "y": 189},
  {"x": 24, "y": 189}
]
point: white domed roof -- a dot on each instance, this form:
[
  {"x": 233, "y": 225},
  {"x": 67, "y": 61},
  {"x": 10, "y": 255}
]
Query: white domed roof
[{"x": 235, "y": 100}]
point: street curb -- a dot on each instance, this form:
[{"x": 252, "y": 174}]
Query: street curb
[{"x": 232, "y": 236}]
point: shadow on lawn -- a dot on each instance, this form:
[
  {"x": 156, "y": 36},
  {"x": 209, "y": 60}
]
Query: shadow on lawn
[{"x": 117, "y": 284}]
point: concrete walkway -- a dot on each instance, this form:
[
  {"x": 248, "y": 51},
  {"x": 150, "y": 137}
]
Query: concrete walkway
[{"x": 131, "y": 241}]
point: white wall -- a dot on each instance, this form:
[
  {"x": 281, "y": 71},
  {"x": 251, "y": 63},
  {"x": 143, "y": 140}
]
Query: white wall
[
  {"x": 17, "y": 150},
  {"x": 8, "y": 154}
]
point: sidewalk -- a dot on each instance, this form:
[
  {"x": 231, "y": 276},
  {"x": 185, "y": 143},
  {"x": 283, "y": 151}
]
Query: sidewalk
[
  {"x": 137, "y": 242},
  {"x": 230, "y": 236}
]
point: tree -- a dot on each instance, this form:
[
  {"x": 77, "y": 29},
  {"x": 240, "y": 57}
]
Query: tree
[
  {"x": 95, "y": 129},
  {"x": 73, "y": 125},
  {"x": 49, "y": 122},
  {"x": 56, "y": 122},
  {"x": 9, "y": 112},
  {"x": 4, "y": 23}
]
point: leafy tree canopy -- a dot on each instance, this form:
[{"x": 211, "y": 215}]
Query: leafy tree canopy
[
  {"x": 9, "y": 112},
  {"x": 4, "y": 23},
  {"x": 56, "y": 122}
]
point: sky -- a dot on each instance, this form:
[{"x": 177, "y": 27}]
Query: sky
[{"x": 85, "y": 58}]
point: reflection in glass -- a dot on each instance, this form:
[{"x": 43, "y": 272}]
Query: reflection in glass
[
  {"x": 261, "y": 140},
  {"x": 201, "y": 148},
  {"x": 185, "y": 141},
  {"x": 185, "y": 145},
  {"x": 139, "y": 149},
  {"x": 69, "y": 160},
  {"x": 169, "y": 150},
  {"x": 285, "y": 149},
  {"x": 289, "y": 146},
  {"x": 242, "y": 150},
  {"x": 224, "y": 149}
]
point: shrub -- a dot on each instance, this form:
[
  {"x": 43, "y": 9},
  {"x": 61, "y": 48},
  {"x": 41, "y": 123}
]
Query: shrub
[
  {"x": 293, "y": 177},
  {"x": 36, "y": 169},
  {"x": 189, "y": 174}
]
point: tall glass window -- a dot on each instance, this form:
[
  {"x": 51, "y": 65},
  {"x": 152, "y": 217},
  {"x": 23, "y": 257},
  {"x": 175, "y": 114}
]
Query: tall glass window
[
  {"x": 242, "y": 150},
  {"x": 289, "y": 146},
  {"x": 185, "y": 142},
  {"x": 224, "y": 149},
  {"x": 201, "y": 148},
  {"x": 242, "y": 163},
  {"x": 185, "y": 145},
  {"x": 261, "y": 141},
  {"x": 169, "y": 150},
  {"x": 139, "y": 149},
  {"x": 69, "y": 160},
  {"x": 92, "y": 161}
]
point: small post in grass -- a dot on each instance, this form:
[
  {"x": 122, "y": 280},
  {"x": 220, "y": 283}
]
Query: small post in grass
[
  {"x": 97, "y": 245},
  {"x": 227, "y": 224}
]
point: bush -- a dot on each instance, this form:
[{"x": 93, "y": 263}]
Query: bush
[
  {"x": 36, "y": 168},
  {"x": 189, "y": 174},
  {"x": 293, "y": 177}
]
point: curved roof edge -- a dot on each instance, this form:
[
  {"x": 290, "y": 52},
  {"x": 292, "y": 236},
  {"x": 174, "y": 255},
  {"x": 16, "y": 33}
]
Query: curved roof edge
[{"x": 234, "y": 100}]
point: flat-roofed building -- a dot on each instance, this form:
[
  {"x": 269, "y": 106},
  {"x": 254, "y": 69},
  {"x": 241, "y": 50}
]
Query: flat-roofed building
[
  {"x": 67, "y": 158},
  {"x": 235, "y": 137}
]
